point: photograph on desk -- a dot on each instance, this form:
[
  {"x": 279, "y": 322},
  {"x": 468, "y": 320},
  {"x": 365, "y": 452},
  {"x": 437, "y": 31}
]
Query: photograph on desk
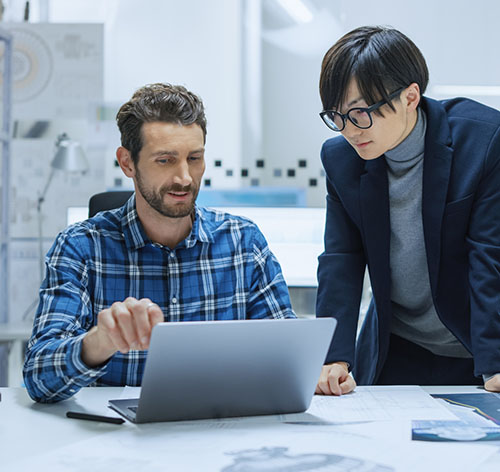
[{"x": 478, "y": 419}]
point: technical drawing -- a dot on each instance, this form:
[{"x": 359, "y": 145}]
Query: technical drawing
[{"x": 277, "y": 459}]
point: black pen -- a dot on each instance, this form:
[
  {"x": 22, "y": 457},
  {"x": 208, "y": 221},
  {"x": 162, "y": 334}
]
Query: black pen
[{"x": 90, "y": 417}]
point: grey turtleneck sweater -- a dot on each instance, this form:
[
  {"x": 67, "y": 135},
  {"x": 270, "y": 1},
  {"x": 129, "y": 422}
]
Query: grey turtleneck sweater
[{"x": 414, "y": 316}]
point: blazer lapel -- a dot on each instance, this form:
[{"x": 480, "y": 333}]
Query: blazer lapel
[
  {"x": 374, "y": 198},
  {"x": 438, "y": 156},
  {"x": 437, "y": 167}
]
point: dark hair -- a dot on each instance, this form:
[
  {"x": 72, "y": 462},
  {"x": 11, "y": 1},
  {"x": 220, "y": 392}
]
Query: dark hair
[
  {"x": 380, "y": 59},
  {"x": 157, "y": 102}
]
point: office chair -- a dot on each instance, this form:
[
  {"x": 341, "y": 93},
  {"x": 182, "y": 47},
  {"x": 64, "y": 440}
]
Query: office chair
[{"x": 108, "y": 200}]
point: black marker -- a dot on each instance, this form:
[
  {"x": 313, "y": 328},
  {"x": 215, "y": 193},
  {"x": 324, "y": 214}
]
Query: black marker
[{"x": 88, "y": 416}]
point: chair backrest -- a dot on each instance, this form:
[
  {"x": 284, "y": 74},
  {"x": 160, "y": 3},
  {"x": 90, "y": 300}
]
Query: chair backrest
[{"x": 108, "y": 201}]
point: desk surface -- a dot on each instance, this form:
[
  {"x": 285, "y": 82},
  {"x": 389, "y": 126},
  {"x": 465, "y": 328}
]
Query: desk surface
[{"x": 58, "y": 443}]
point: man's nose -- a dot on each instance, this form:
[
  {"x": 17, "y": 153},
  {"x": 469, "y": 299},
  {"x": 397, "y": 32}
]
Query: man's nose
[
  {"x": 351, "y": 130},
  {"x": 182, "y": 175}
]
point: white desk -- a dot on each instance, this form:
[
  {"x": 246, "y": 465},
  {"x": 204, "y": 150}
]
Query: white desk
[{"x": 40, "y": 437}]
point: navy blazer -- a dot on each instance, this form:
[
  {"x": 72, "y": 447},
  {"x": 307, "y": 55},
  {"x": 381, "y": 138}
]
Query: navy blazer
[{"x": 461, "y": 221}]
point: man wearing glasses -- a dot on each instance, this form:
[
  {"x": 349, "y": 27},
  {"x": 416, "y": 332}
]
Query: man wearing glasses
[{"x": 414, "y": 195}]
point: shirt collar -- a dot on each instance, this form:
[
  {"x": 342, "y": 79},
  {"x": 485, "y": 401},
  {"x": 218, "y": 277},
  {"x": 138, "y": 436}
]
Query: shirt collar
[
  {"x": 133, "y": 231},
  {"x": 136, "y": 238},
  {"x": 200, "y": 230}
]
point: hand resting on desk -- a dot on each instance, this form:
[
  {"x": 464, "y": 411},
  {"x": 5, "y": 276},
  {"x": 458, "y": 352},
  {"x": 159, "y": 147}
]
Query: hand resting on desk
[
  {"x": 335, "y": 380},
  {"x": 123, "y": 327},
  {"x": 493, "y": 384}
]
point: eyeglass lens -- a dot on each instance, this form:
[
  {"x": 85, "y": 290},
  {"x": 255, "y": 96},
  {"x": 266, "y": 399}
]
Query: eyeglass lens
[{"x": 359, "y": 116}]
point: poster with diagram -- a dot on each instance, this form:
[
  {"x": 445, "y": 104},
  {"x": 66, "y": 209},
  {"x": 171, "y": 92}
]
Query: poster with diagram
[
  {"x": 57, "y": 69},
  {"x": 57, "y": 74}
]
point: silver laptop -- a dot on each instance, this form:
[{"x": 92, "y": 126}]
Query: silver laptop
[{"x": 217, "y": 369}]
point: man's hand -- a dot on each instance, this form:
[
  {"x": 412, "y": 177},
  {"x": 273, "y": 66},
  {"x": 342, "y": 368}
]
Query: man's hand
[
  {"x": 335, "y": 380},
  {"x": 123, "y": 327},
  {"x": 493, "y": 384}
]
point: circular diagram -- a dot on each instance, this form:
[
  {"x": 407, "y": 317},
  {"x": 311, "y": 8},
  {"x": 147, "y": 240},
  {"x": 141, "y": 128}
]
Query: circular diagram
[{"x": 32, "y": 64}]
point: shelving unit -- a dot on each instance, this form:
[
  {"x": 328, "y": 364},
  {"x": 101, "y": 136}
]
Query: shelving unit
[{"x": 5, "y": 138}]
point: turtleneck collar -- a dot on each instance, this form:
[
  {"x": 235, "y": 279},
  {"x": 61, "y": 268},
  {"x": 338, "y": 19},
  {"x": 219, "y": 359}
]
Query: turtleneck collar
[{"x": 413, "y": 145}]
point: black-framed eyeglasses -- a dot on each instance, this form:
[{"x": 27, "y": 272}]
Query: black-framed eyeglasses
[{"x": 360, "y": 117}]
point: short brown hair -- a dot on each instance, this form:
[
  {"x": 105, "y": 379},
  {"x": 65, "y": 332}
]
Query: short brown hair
[
  {"x": 158, "y": 102},
  {"x": 380, "y": 59}
]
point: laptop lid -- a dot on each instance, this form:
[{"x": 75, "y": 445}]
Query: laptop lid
[{"x": 215, "y": 369}]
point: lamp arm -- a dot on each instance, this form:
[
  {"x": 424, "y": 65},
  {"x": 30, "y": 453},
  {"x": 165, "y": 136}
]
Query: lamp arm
[
  {"x": 41, "y": 199},
  {"x": 41, "y": 196}
]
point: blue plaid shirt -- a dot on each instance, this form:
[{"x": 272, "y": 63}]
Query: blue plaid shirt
[{"x": 223, "y": 270}]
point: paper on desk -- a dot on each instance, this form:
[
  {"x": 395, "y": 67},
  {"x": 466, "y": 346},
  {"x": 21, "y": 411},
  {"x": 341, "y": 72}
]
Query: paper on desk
[
  {"x": 365, "y": 404},
  {"x": 380, "y": 403},
  {"x": 485, "y": 405},
  {"x": 159, "y": 447},
  {"x": 475, "y": 423},
  {"x": 129, "y": 392},
  {"x": 470, "y": 414}
]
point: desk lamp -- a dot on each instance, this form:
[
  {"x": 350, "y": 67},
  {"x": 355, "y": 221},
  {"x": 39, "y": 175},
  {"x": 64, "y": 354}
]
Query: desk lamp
[{"x": 69, "y": 157}]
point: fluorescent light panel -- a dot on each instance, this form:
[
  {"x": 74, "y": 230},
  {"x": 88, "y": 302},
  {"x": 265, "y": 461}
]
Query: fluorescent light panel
[
  {"x": 467, "y": 90},
  {"x": 297, "y": 9}
]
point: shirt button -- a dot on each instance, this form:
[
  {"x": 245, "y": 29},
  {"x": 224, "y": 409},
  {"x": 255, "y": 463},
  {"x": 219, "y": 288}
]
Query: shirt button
[{"x": 174, "y": 300}]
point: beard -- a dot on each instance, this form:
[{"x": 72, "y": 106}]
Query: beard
[{"x": 154, "y": 198}]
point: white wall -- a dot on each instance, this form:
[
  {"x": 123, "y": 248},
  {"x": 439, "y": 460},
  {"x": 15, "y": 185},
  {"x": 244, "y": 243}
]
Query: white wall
[{"x": 195, "y": 43}]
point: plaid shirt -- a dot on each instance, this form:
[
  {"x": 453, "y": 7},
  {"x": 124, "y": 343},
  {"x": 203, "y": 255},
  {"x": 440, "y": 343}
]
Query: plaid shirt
[{"x": 223, "y": 270}]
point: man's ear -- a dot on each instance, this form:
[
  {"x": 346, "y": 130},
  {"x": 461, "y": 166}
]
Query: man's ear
[
  {"x": 412, "y": 96},
  {"x": 125, "y": 160}
]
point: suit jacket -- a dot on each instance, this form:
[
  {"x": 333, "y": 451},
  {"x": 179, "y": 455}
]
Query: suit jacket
[{"x": 461, "y": 221}]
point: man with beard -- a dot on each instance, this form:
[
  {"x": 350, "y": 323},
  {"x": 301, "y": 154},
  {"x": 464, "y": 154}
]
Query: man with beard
[{"x": 113, "y": 277}]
